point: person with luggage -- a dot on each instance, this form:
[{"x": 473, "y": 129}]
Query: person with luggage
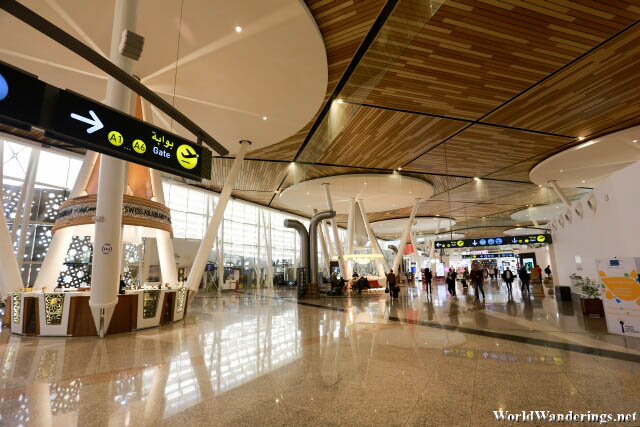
[
  {"x": 465, "y": 279},
  {"x": 394, "y": 290}
]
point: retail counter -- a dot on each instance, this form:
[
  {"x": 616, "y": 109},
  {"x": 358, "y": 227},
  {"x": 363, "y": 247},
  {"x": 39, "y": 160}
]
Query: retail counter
[{"x": 68, "y": 313}]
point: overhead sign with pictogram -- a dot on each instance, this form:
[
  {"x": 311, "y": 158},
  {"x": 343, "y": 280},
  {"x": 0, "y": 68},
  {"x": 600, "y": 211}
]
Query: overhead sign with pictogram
[
  {"x": 26, "y": 101},
  {"x": 106, "y": 130},
  {"x": 494, "y": 241}
]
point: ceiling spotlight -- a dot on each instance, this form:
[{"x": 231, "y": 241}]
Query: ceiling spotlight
[
  {"x": 635, "y": 140},
  {"x": 581, "y": 138},
  {"x": 308, "y": 193},
  {"x": 583, "y": 181},
  {"x": 292, "y": 164},
  {"x": 264, "y": 117},
  {"x": 561, "y": 170},
  {"x": 238, "y": 29},
  {"x": 340, "y": 101},
  {"x": 540, "y": 186}
]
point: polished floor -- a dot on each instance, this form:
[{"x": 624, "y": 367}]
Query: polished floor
[{"x": 264, "y": 358}]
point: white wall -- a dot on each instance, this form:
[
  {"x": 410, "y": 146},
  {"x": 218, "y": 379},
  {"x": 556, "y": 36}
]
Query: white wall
[{"x": 612, "y": 231}]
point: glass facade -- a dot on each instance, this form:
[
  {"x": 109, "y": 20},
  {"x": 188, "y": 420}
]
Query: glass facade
[{"x": 247, "y": 227}]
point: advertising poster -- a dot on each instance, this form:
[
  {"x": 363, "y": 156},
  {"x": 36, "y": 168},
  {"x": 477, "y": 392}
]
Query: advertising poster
[{"x": 620, "y": 284}]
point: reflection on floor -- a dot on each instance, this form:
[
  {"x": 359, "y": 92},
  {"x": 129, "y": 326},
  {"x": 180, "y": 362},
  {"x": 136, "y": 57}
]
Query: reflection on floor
[{"x": 261, "y": 358}]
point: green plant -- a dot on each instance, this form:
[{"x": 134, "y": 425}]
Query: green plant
[{"x": 590, "y": 289}]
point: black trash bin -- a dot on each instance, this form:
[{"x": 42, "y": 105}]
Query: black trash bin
[{"x": 564, "y": 292}]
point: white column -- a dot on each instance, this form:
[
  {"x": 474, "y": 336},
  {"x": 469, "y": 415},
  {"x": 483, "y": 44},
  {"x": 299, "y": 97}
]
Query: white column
[
  {"x": 267, "y": 241},
  {"x": 405, "y": 237},
  {"x": 325, "y": 231},
  {"x": 53, "y": 260},
  {"x": 381, "y": 263},
  {"x": 416, "y": 251},
  {"x": 351, "y": 227},
  {"x": 26, "y": 210},
  {"x": 258, "y": 267},
  {"x": 221, "y": 257},
  {"x": 199, "y": 262},
  {"x": 433, "y": 242},
  {"x": 336, "y": 235},
  {"x": 26, "y": 184},
  {"x": 108, "y": 233},
  {"x": 166, "y": 258},
  {"x": 558, "y": 190},
  {"x": 325, "y": 250},
  {"x": 10, "y": 280}
]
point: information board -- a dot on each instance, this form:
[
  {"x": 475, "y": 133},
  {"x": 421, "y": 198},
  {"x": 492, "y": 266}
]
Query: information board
[
  {"x": 494, "y": 241},
  {"x": 620, "y": 293},
  {"x": 106, "y": 130}
]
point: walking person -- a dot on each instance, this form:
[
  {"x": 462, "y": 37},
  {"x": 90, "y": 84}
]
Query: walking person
[
  {"x": 477, "y": 278},
  {"x": 428, "y": 277},
  {"x": 507, "y": 276},
  {"x": 465, "y": 279},
  {"x": 391, "y": 284},
  {"x": 451, "y": 281},
  {"x": 547, "y": 271},
  {"x": 524, "y": 279},
  {"x": 496, "y": 273}
]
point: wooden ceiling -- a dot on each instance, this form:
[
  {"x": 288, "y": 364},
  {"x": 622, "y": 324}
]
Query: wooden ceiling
[{"x": 484, "y": 88}]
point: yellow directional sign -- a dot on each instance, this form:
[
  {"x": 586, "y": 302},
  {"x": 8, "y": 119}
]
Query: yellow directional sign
[
  {"x": 115, "y": 138},
  {"x": 187, "y": 157},
  {"x": 139, "y": 146}
]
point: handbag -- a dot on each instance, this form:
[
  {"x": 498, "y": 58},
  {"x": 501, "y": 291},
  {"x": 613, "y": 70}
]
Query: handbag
[{"x": 386, "y": 290}]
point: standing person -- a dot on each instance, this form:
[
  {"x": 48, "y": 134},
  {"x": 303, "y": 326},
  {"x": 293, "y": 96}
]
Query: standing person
[
  {"x": 477, "y": 278},
  {"x": 428, "y": 277},
  {"x": 524, "y": 279},
  {"x": 547, "y": 271},
  {"x": 539, "y": 270},
  {"x": 496, "y": 272},
  {"x": 507, "y": 276},
  {"x": 451, "y": 281}
]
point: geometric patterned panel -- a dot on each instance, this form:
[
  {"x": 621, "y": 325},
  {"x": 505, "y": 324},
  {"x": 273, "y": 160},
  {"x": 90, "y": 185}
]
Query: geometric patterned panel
[{"x": 76, "y": 270}]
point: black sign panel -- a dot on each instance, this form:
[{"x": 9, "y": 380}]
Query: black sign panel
[
  {"x": 106, "y": 130},
  {"x": 488, "y": 256},
  {"x": 21, "y": 96},
  {"x": 494, "y": 241}
]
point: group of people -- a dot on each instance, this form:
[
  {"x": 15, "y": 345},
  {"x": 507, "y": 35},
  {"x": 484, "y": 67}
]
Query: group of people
[{"x": 478, "y": 275}]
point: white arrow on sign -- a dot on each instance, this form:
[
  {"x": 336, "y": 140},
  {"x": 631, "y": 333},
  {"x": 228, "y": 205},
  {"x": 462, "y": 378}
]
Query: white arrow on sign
[
  {"x": 94, "y": 121},
  {"x": 474, "y": 243}
]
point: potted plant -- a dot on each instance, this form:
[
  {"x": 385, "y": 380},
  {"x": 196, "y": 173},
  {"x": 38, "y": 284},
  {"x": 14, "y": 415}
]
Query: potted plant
[{"x": 590, "y": 298}]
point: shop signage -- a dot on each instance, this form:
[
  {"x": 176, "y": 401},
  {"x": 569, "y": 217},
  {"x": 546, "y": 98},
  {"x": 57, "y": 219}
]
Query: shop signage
[
  {"x": 65, "y": 115},
  {"x": 488, "y": 256},
  {"x": 494, "y": 241},
  {"x": 620, "y": 293}
]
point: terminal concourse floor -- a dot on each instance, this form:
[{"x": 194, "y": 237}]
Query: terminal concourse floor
[{"x": 264, "y": 358}]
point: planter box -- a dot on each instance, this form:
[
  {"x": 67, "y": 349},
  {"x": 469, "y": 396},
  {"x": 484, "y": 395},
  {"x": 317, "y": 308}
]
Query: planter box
[{"x": 592, "y": 307}]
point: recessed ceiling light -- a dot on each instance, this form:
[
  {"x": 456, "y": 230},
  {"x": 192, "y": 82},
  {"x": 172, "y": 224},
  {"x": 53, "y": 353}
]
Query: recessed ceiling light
[
  {"x": 399, "y": 169},
  {"x": 238, "y": 29},
  {"x": 583, "y": 181},
  {"x": 561, "y": 170},
  {"x": 540, "y": 186},
  {"x": 635, "y": 140},
  {"x": 264, "y": 117},
  {"x": 292, "y": 164},
  {"x": 581, "y": 138},
  {"x": 340, "y": 101}
]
